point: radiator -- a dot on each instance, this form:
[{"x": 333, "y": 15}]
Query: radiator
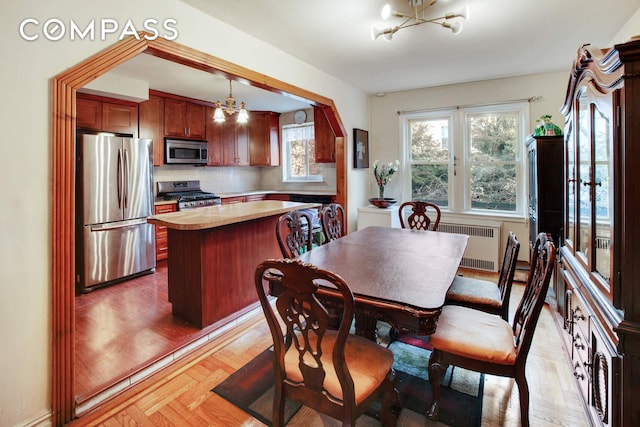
[{"x": 483, "y": 248}]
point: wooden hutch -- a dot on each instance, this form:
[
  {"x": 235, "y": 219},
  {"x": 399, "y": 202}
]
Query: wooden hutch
[{"x": 598, "y": 281}]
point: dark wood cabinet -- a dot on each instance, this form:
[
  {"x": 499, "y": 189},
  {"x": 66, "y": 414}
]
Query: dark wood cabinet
[
  {"x": 255, "y": 143},
  {"x": 162, "y": 241},
  {"x": 228, "y": 143},
  {"x": 152, "y": 125},
  {"x": 183, "y": 119},
  {"x": 599, "y": 268},
  {"x": 545, "y": 156},
  {"x": 325, "y": 139},
  {"x": 88, "y": 113},
  {"x": 232, "y": 200},
  {"x": 106, "y": 114},
  {"x": 264, "y": 138},
  {"x": 214, "y": 138}
]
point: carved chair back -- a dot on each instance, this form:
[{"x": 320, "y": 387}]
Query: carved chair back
[
  {"x": 421, "y": 216},
  {"x": 294, "y": 233},
  {"x": 332, "y": 218},
  {"x": 310, "y": 360}
]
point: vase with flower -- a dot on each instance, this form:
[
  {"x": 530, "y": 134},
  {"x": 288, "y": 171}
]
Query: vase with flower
[{"x": 383, "y": 174}]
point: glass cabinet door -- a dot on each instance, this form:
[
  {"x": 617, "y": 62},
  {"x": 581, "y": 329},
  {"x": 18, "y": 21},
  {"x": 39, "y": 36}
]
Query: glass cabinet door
[
  {"x": 590, "y": 203},
  {"x": 583, "y": 135},
  {"x": 602, "y": 194}
]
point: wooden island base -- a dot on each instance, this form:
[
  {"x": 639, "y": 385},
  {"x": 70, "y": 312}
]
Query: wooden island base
[{"x": 213, "y": 254}]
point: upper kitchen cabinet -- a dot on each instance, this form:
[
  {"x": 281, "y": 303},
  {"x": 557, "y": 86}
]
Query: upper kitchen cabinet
[
  {"x": 106, "y": 114},
  {"x": 241, "y": 145},
  {"x": 264, "y": 140},
  {"x": 183, "y": 119},
  {"x": 324, "y": 136},
  {"x": 215, "y": 135},
  {"x": 152, "y": 125}
]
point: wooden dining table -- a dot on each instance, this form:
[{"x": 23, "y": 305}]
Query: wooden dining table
[{"x": 397, "y": 275}]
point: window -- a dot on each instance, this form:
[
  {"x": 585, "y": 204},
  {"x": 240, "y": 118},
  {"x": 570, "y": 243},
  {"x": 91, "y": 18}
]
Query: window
[
  {"x": 467, "y": 159},
  {"x": 299, "y": 154}
]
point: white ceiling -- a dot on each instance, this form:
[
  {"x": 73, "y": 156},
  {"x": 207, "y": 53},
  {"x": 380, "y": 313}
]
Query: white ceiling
[{"x": 502, "y": 38}]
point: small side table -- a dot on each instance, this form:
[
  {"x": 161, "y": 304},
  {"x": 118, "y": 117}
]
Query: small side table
[{"x": 371, "y": 215}]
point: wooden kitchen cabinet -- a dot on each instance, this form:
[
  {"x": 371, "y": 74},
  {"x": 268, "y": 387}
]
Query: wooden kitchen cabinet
[
  {"x": 325, "y": 139},
  {"x": 183, "y": 119},
  {"x": 255, "y": 197},
  {"x": 215, "y": 135},
  {"x": 235, "y": 143},
  {"x": 162, "y": 241},
  {"x": 264, "y": 138},
  {"x": 106, "y": 114},
  {"x": 152, "y": 125},
  {"x": 232, "y": 200}
]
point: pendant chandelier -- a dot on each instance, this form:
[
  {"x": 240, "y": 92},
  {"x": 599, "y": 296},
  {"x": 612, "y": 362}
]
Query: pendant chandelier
[
  {"x": 229, "y": 108},
  {"x": 417, "y": 17}
]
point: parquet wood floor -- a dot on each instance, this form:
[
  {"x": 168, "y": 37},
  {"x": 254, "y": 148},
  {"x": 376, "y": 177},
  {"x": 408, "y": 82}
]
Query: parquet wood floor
[{"x": 179, "y": 395}]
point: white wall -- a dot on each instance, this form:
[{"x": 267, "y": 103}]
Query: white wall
[
  {"x": 385, "y": 135},
  {"x": 25, "y": 164}
]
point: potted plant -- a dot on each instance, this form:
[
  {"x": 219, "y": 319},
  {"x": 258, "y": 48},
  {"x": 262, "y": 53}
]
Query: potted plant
[{"x": 383, "y": 174}]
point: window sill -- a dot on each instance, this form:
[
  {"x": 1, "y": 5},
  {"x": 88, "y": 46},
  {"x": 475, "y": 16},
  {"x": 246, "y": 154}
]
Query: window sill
[{"x": 320, "y": 181}]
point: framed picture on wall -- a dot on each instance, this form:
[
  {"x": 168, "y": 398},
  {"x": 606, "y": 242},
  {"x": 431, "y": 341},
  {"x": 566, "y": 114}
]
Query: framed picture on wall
[{"x": 360, "y": 148}]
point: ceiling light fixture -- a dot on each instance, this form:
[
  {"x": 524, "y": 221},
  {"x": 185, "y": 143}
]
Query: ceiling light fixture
[
  {"x": 418, "y": 18},
  {"x": 230, "y": 108}
]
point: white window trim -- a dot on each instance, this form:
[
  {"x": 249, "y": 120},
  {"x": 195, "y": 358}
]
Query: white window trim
[
  {"x": 285, "y": 156},
  {"x": 460, "y": 201}
]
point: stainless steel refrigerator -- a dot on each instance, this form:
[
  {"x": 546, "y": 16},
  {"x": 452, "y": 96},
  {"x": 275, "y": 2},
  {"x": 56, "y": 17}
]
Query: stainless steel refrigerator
[{"x": 114, "y": 197}]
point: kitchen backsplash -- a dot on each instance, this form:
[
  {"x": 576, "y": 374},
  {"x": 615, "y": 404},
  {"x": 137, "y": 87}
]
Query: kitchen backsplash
[{"x": 231, "y": 179}]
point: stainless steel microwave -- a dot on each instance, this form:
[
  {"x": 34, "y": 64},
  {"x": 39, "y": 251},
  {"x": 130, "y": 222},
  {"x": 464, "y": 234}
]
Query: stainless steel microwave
[{"x": 179, "y": 151}]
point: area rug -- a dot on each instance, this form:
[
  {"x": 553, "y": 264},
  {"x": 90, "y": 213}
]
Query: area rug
[{"x": 251, "y": 389}]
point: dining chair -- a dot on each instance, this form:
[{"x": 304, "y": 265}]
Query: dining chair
[
  {"x": 332, "y": 219},
  {"x": 486, "y": 295},
  {"x": 483, "y": 342},
  {"x": 331, "y": 371},
  {"x": 421, "y": 216},
  {"x": 294, "y": 233}
]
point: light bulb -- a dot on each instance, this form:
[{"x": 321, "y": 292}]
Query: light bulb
[
  {"x": 243, "y": 115},
  {"x": 386, "y": 11},
  {"x": 218, "y": 114}
]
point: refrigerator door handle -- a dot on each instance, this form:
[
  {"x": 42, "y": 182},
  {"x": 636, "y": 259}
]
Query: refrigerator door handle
[
  {"x": 125, "y": 185},
  {"x": 120, "y": 173},
  {"x": 119, "y": 224}
]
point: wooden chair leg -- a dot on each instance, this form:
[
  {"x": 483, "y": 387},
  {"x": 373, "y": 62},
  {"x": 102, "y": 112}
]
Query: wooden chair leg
[
  {"x": 278, "y": 408},
  {"x": 391, "y": 406},
  {"x": 436, "y": 371},
  {"x": 523, "y": 391}
]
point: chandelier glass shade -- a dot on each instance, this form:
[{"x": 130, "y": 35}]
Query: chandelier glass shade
[
  {"x": 229, "y": 107},
  {"x": 418, "y": 17}
]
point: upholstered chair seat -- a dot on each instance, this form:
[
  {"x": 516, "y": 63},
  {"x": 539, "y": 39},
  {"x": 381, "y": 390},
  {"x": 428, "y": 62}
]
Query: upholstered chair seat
[
  {"x": 492, "y": 336},
  {"x": 477, "y": 291},
  {"x": 367, "y": 365}
]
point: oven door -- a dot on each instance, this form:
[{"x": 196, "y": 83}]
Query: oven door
[{"x": 185, "y": 152}]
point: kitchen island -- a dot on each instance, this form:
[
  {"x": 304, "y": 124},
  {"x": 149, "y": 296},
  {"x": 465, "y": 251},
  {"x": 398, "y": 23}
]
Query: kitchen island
[{"x": 213, "y": 254}]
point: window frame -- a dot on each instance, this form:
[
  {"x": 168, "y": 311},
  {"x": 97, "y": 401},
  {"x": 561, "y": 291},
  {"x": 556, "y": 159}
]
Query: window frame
[
  {"x": 459, "y": 163},
  {"x": 286, "y": 155}
]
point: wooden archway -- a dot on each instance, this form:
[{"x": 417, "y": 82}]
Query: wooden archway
[{"x": 65, "y": 86}]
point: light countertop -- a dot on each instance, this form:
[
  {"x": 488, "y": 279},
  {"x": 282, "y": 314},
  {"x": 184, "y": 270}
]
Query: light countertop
[
  {"x": 218, "y": 216},
  {"x": 304, "y": 192}
]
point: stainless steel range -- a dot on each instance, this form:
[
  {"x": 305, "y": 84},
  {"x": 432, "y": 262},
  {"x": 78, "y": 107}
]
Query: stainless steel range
[{"x": 188, "y": 194}]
